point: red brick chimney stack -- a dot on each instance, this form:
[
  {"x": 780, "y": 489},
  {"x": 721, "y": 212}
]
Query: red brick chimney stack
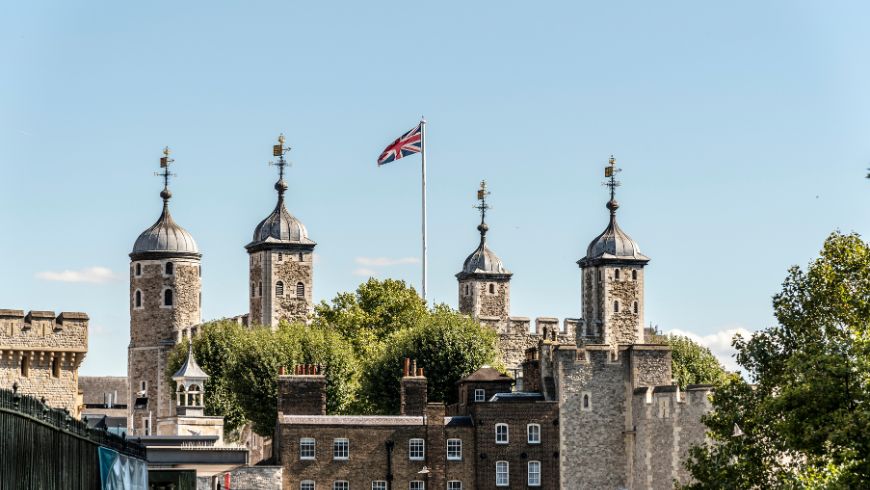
[
  {"x": 414, "y": 390},
  {"x": 304, "y": 393}
]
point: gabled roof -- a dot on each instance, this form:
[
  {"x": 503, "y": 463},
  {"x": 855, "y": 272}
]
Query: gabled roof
[{"x": 486, "y": 374}]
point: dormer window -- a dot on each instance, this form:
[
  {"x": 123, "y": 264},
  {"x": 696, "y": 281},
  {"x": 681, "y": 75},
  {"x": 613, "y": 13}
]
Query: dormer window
[{"x": 169, "y": 268}]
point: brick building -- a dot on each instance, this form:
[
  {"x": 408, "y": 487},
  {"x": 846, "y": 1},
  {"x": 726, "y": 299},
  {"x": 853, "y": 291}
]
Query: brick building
[
  {"x": 42, "y": 352},
  {"x": 492, "y": 438}
]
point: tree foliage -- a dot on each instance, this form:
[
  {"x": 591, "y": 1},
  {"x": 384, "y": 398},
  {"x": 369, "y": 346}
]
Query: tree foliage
[
  {"x": 692, "y": 363},
  {"x": 807, "y": 419},
  {"x": 447, "y": 345},
  {"x": 360, "y": 339}
]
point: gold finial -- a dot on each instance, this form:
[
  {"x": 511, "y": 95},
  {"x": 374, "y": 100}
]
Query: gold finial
[
  {"x": 281, "y": 138},
  {"x": 166, "y": 151},
  {"x": 612, "y": 160}
]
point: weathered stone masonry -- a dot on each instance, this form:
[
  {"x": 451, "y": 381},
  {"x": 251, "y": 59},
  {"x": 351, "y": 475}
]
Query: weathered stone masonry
[{"x": 42, "y": 354}]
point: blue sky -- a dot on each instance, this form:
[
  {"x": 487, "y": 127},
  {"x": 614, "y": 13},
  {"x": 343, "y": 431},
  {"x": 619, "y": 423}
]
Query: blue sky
[{"x": 741, "y": 129}]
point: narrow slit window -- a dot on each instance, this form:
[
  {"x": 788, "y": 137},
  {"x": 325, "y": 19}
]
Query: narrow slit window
[
  {"x": 585, "y": 401},
  {"x": 167, "y": 297},
  {"x": 635, "y": 307},
  {"x": 55, "y": 367},
  {"x": 253, "y": 290},
  {"x": 25, "y": 366},
  {"x": 492, "y": 289},
  {"x": 279, "y": 288},
  {"x": 616, "y": 306},
  {"x": 634, "y": 275},
  {"x": 169, "y": 268},
  {"x": 280, "y": 256},
  {"x": 300, "y": 290},
  {"x": 616, "y": 275},
  {"x": 138, "y": 299},
  {"x": 260, "y": 289},
  {"x": 138, "y": 269}
]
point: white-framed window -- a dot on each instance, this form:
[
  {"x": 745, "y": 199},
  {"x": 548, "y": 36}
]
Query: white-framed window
[
  {"x": 416, "y": 485},
  {"x": 306, "y": 485},
  {"x": 340, "y": 449},
  {"x": 534, "y": 473},
  {"x": 501, "y": 433},
  {"x": 454, "y": 485},
  {"x": 416, "y": 449},
  {"x": 534, "y": 431},
  {"x": 340, "y": 485},
  {"x": 479, "y": 395},
  {"x": 306, "y": 448},
  {"x": 501, "y": 473},
  {"x": 454, "y": 448},
  {"x": 379, "y": 485}
]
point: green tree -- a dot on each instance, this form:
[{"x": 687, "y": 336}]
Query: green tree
[
  {"x": 253, "y": 376},
  {"x": 692, "y": 363},
  {"x": 806, "y": 421},
  {"x": 373, "y": 312},
  {"x": 447, "y": 346},
  {"x": 214, "y": 348}
]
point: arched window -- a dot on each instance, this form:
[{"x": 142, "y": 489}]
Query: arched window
[
  {"x": 253, "y": 290},
  {"x": 138, "y": 299},
  {"x": 169, "y": 268},
  {"x": 167, "y": 297},
  {"x": 260, "y": 289},
  {"x": 617, "y": 274},
  {"x": 279, "y": 288},
  {"x": 300, "y": 290},
  {"x": 635, "y": 307},
  {"x": 138, "y": 269},
  {"x": 616, "y": 306},
  {"x": 585, "y": 401},
  {"x": 492, "y": 289},
  {"x": 634, "y": 275}
]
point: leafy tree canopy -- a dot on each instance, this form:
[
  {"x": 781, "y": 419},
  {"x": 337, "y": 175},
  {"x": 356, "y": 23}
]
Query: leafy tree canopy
[
  {"x": 806, "y": 421},
  {"x": 692, "y": 363}
]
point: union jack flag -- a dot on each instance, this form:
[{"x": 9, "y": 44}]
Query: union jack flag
[{"x": 407, "y": 144}]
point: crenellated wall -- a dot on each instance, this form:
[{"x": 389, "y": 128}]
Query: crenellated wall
[
  {"x": 42, "y": 352},
  {"x": 518, "y": 334}
]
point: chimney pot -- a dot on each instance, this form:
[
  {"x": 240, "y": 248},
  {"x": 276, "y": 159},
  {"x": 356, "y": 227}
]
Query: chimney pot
[
  {"x": 419, "y": 371},
  {"x": 281, "y": 371},
  {"x": 407, "y": 367},
  {"x": 413, "y": 366},
  {"x": 296, "y": 370}
]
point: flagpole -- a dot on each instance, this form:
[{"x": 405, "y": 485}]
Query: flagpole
[{"x": 423, "y": 150}]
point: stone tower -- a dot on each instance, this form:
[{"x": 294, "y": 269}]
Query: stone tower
[
  {"x": 281, "y": 263},
  {"x": 484, "y": 283},
  {"x": 612, "y": 284},
  {"x": 165, "y": 301}
]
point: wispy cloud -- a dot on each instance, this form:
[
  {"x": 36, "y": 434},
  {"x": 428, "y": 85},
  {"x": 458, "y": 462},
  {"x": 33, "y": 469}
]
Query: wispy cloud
[
  {"x": 719, "y": 343},
  {"x": 385, "y": 261},
  {"x": 317, "y": 258},
  {"x": 362, "y": 271},
  {"x": 95, "y": 275},
  {"x": 99, "y": 330},
  {"x": 28, "y": 134}
]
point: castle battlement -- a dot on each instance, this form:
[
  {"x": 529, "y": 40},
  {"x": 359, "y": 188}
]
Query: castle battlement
[{"x": 42, "y": 352}]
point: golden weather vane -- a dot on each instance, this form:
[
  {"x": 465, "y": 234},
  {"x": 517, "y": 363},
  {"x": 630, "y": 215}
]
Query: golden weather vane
[
  {"x": 164, "y": 164},
  {"x": 481, "y": 196},
  {"x": 611, "y": 172},
  {"x": 278, "y": 151}
]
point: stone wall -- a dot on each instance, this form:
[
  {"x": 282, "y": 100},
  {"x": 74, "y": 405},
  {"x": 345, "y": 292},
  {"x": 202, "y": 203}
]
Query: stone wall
[
  {"x": 667, "y": 422},
  {"x": 42, "y": 353},
  {"x": 154, "y": 321},
  {"x": 601, "y": 289},
  {"x": 476, "y": 300},
  {"x": 294, "y": 268},
  {"x": 256, "y": 313},
  {"x": 255, "y": 478},
  {"x": 516, "y": 336}
]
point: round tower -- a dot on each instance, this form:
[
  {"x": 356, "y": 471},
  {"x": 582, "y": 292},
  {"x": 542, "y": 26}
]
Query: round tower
[
  {"x": 612, "y": 282},
  {"x": 484, "y": 283},
  {"x": 165, "y": 302},
  {"x": 281, "y": 262}
]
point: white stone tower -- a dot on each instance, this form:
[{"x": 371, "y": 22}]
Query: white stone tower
[
  {"x": 612, "y": 287},
  {"x": 484, "y": 283},
  {"x": 281, "y": 262},
  {"x": 165, "y": 301}
]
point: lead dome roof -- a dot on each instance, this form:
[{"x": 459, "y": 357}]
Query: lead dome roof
[
  {"x": 165, "y": 236},
  {"x": 281, "y": 227},
  {"x": 483, "y": 260},
  {"x": 613, "y": 243}
]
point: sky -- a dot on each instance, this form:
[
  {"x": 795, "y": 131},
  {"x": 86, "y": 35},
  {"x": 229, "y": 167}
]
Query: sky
[{"x": 741, "y": 129}]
